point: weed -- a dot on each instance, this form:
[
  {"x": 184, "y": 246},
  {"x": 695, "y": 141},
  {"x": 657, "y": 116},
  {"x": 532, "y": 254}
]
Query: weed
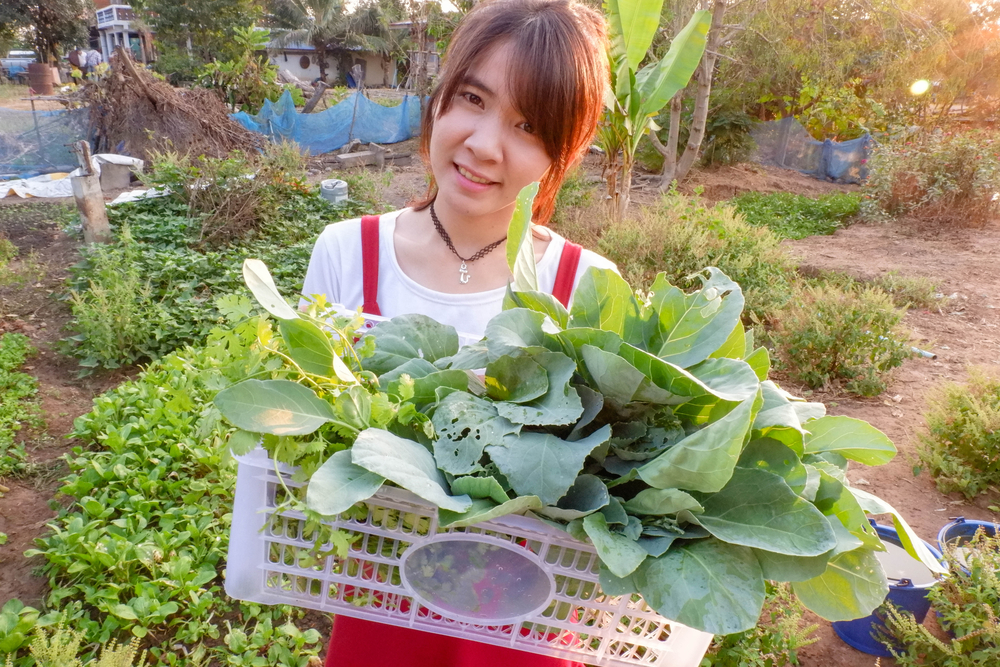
[
  {"x": 773, "y": 643},
  {"x": 794, "y": 216},
  {"x": 116, "y": 315},
  {"x": 367, "y": 189},
  {"x": 942, "y": 176},
  {"x": 681, "y": 235},
  {"x": 18, "y": 405},
  {"x": 577, "y": 192},
  {"x": 968, "y": 604},
  {"x": 909, "y": 291},
  {"x": 962, "y": 444},
  {"x": 831, "y": 336}
]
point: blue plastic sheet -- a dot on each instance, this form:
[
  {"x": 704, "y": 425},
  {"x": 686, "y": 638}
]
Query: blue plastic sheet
[
  {"x": 356, "y": 117},
  {"x": 785, "y": 143}
]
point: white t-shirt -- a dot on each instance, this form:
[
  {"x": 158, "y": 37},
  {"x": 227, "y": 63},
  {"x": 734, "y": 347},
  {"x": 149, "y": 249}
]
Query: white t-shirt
[{"x": 335, "y": 270}]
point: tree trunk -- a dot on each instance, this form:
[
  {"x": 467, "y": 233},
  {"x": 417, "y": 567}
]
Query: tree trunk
[
  {"x": 705, "y": 73},
  {"x": 321, "y": 60},
  {"x": 669, "y": 152}
]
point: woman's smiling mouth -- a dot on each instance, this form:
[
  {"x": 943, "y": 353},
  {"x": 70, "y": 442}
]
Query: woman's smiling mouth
[{"x": 472, "y": 177}]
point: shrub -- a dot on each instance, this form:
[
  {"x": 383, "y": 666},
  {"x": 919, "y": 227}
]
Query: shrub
[
  {"x": 962, "y": 444},
  {"x": 794, "y": 216},
  {"x": 968, "y": 604},
  {"x": 828, "y": 336},
  {"x": 115, "y": 316},
  {"x": 937, "y": 175},
  {"x": 909, "y": 291},
  {"x": 680, "y": 235}
]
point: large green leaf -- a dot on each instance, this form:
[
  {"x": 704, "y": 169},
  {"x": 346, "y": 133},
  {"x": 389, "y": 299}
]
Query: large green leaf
[
  {"x": 664, "y": 375},
  {"x": 338, "y": 484},
  {"x": 704, "y": 460},
  {"x": 540, "y": 302},
  {"x": 520, "y": 244},
  {"x": 729, "y": 379},
  {"x": 777, "y": 411},
  {"x": 619, "y": 380},
  {"x": 851, "y": 438},
  {"x": 779, "y": 567},
  {"x": 513, "y": 330},
  {"x": 479, "y": 487},
  {"x": 465, "y": 425},
  {"x": 773, "y": 456},
  {"x": 705, "y": 584},
  {"x": 603, "y": 300},
  {"x": 735, "y": 345},
  {"x": 484, "y": 510},
  {"x": 279, "y": 407},
  {"x": 311, "y": 349},
  {"x": 851, "y": 587},
  {"x": 587, "y": 495},
  {"x": 658, "y": 82},
  {"x": 692, "y": 326},
  {"x": 757, "y": 509},
  {"x": 619, "y": 553},
  {"x": 659, "y": 502},
  {"x": 633, "y": 24},
  {"x": 407, "y": 464},
  {"x": 540, "y": 464},
  {"x": 515, "y": 379},
  {"x": 261, "y": 284},
  {"x": 561, "y": 404},
  {"x": 907, "y": 536},
  {"x": 409, "y": 337}
]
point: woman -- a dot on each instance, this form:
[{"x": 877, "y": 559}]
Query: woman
[{"x": 518, "y": 101}]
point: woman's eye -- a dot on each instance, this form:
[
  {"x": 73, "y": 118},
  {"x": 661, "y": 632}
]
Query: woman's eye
[
  {"x": 473, "y": 98},
  {"x": 527, "y": 127}
]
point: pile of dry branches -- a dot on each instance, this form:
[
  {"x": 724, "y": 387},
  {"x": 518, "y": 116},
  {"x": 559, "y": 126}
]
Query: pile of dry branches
[{"x": 133, "y": 112}]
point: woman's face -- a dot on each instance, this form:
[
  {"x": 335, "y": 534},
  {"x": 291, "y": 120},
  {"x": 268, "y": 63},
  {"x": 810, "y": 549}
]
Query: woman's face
[{"x": 482, "y": 151}]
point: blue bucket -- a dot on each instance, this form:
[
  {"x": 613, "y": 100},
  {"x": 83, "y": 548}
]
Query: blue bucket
[
  {"x": 861, "y": 633},
  {"x": 960, "y": 531}
]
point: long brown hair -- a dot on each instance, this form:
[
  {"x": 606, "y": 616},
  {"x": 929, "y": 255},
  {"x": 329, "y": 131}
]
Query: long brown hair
[{"x": 557, "y": 79}]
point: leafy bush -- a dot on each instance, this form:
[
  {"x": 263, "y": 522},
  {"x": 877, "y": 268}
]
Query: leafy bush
[
  {"x": 940, "y": 176},
  {"x": 909, "y": 291},
  {"x": 247, "y": 80},
  {"x": 140, "y": 547},
  {"x": 773, "y": 643},
  {"x": 727, "y": 137},
  {"x": 962, "y": 446},
  {"x": 680, "y": 235},
  {"x": 968, "y": 604},
  {"x": 18, "y": 406},
  {"x": 830, "y": 336},
  {"x": 794, "y": 216}
]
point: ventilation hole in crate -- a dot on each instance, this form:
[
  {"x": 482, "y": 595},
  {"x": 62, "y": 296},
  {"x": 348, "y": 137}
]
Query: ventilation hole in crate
[
  {"x": 353, "y": 567},
  {"x": 272, "y": 580},
  {"x": 273, "y": 552},
  {"x": 569, "y": 557}
]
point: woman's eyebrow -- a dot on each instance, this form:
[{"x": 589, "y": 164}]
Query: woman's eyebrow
[{"x": 476, "y": 83}]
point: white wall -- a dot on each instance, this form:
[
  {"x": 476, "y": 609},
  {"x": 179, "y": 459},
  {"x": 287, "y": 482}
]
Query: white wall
[{"x": 290, "y": 61}]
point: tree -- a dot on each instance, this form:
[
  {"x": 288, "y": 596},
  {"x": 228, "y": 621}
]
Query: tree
[
  {"x": 640, "y": 93},
  {"x": 52, "y": 26},
  {"x": 206, "y": 27}
]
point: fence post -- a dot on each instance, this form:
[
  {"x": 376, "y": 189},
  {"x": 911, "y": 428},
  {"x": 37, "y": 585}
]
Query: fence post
[{"x": 90, "y": 199}]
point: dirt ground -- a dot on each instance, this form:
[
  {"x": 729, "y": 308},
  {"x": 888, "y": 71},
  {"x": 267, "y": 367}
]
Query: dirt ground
[{"x": 963, "y": 330}]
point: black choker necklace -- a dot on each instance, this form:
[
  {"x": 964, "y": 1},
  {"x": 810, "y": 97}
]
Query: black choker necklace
[{"x": 463, "y": 272}]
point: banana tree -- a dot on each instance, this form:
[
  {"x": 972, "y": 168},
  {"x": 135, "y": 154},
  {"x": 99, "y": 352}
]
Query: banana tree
[{"x": 638, "y": 94}]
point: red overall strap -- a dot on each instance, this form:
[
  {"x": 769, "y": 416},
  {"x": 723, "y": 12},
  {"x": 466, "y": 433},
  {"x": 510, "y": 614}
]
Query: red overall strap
[
  {"x": 566, "y": 274},
  {"x": 369, "y": 264}
]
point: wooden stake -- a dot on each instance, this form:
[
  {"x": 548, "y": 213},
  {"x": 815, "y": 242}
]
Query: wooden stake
[{"x": 90, "y": 199}]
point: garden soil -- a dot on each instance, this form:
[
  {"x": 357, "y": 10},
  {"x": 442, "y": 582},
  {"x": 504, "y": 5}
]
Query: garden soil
[{"x": 964, "y": 329}]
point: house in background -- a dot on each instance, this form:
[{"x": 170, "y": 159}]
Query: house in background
[
  {"x": 300, "y": 59},
  {"x": 115, "y": 28}
]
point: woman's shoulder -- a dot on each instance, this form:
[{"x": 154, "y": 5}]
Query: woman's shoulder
[
  {"x": 347, "y": 233},
  {"x": 588, "y": 258}
]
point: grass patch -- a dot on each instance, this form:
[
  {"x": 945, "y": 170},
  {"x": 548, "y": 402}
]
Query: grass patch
[
  {"x": 794, "y": 216},
  {"x": 910, "y": 291},
  {"x": 12, "y": 91},
  {"x": 962, "y": 445},
  {"x": 18, "y": 402},
  {"x": 681, "y": 235}
]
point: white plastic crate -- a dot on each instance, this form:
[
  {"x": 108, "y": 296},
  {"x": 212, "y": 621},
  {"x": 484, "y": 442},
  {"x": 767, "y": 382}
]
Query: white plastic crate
[{"x": 513, "y": 581}]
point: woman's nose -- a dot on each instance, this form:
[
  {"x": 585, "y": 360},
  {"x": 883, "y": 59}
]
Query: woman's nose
[{"x": 485, "y": 139}]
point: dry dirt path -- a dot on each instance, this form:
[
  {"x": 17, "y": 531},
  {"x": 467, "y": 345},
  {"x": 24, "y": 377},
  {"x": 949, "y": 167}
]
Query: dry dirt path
[{"x": 964, "y": 330}]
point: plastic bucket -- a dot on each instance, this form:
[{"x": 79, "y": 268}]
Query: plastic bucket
[
  {"x": 960, "y": 531},
  {"x": 333, "y": 190},
  {"x": 40, "y": 78},
  {"x": 909, "y": 581}
]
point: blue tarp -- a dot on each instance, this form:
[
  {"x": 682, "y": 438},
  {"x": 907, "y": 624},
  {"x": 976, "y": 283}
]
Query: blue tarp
[
  {"x": 785, "y": 143},
  {"x": 356, "y": 117}
]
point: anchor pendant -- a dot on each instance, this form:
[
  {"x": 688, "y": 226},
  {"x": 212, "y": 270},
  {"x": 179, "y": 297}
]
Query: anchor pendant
[{"x": 463, "y": 274}]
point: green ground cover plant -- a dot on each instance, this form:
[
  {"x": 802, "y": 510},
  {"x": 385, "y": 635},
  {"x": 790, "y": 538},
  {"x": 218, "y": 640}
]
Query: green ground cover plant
[
  {"x": 154, "y": 289},
  {"x": 968, "y": 604},
  {"x": 832, "y": 336},
  {"x": 910, "y": 291},
  {"x": 18, "y": 403},
  {"x": 139, "y": 546},
  {"x": 950, "y": 177},
  {"x": 793, "y": 216},
  {"x": 680, "y": 235},
  {"x": 962, "y": 445}
]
